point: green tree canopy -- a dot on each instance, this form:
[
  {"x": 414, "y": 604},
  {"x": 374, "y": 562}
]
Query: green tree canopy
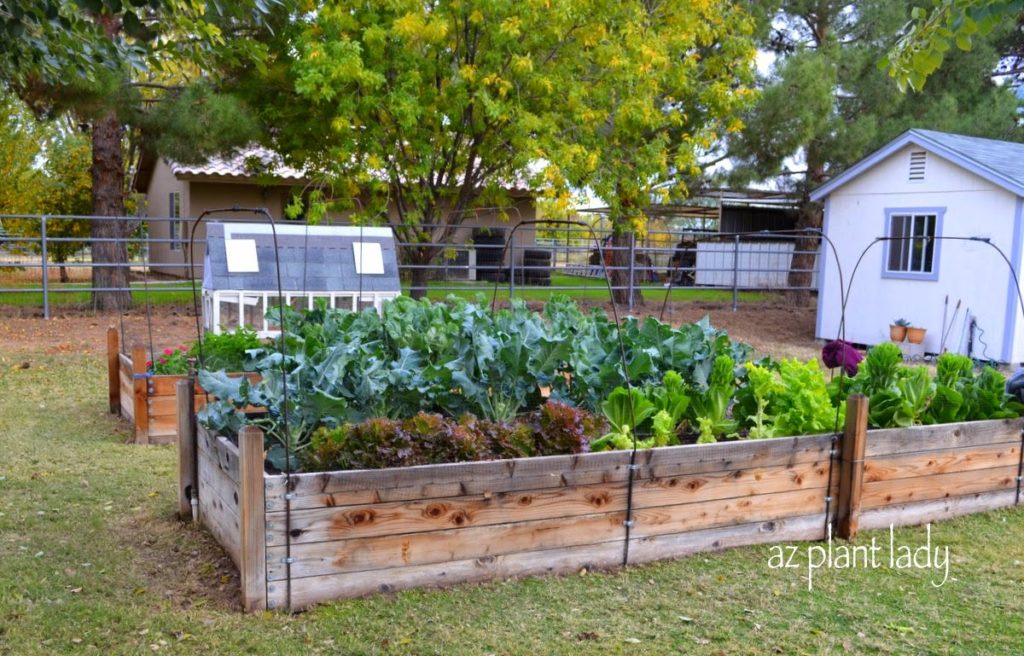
[
  {"x": 661, "y": 82},
  {"x": 130, "y": 67},
  {"x": 826, "y": 103},
  {"x": 932, "y": 32}
]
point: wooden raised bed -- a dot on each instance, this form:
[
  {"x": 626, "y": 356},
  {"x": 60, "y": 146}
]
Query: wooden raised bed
[
  {"x": 146, "y": 400},
  {"x": 353, "y": 533}
]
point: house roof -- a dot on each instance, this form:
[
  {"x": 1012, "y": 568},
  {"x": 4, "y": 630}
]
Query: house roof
[
  {"x": 311, "y": 258},
  {"x": 999, "y": 162},
  {"x": 246, "y": 164}
]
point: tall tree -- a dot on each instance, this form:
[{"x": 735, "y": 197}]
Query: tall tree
[
  {"x": 423, "y": 110},
  {"x": 97, "y": 60},
  {"x": 826, "y": 103},
  {"x": 662, "y": 80}
]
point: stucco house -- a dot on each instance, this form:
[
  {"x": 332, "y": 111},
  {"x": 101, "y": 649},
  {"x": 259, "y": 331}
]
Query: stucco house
[
  {"x": 926, "y": 211},
  {"x": 258, "y": 177}
]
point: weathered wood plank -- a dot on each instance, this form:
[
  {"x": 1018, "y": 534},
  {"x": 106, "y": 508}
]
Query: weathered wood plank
[
  {"x": 675, "y": 545},
  {"x": 165, "y": 405},
  {"x": 938, "y": 486},
  {"x": 851, "y": 469},
  {"x": 311, "y": 590},
  {"x": 456, "y": 479},
  {"x": 113, "y": 370},
  {"x": 127, "y": 390},
  {"x": 218, "y": 505},
  {"x": 224, "y": 453},
  {"x": 682, "y": 518},
  {"x": 358, "y": 554},
  {"x": 314, "y": 525},
  {"x": 941, "y": 461},
  {"x": 187, "y": 476},
  {"x": 125, "y": 363},
  {"x": 943, "y": 436},
  {"x": 140, "y": 413},
  {"x": 361, "y": 554},
  {"x": 606, "y": 555},
  {"x": 252, "y": 515},
  {"x": 922, "y": 512}
]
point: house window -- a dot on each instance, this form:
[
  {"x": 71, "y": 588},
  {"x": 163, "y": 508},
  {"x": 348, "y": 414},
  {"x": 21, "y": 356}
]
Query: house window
[
  {"x": 177, "y": 228},
  {"x": 912, "y": 250}
]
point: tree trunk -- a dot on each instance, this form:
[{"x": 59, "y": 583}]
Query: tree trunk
[
  {"x": 64, "y": 277},
  {"x": 805, "y": 251},
  {"x": 418, "y": 282},
  {"x": 619, "y": 271},
  {"x": 108, "y": 200}
]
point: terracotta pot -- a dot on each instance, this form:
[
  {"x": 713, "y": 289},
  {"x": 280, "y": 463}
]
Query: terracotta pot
[
  {"x": 915, "y": 335},
  {"x": 897, "y": 333}
]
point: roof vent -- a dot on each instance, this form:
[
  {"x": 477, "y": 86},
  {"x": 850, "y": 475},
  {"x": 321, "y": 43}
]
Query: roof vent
[{"x": 917, "y": 162}]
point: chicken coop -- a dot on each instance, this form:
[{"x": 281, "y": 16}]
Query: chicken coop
[{"x": 348, "y": 267}]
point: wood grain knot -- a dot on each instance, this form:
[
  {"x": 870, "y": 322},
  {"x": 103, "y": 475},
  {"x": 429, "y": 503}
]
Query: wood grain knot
[
  {"x": 296, "y": 532},
  {"x": 435, "y": 510},
  {"x": 599, "y": 499},
  {"x": 459, "y": 518},
  {"x": 524, "y": 500},
  {"x": 737, "y": 474},
  {"x": 695, "y": 484},
  {"x": 360, "y": 517}
]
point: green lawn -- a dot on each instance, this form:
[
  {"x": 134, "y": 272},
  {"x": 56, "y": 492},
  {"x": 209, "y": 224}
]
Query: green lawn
[
  {"x": 65, "y": 294},
  {"x": 92, "y": 561}
]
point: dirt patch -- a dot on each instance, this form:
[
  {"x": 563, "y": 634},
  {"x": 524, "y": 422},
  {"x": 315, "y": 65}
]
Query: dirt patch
[
  {"x": 180, "y": 563},
  {"x": 770, "y": 327},
  {"x": 86, "y": 332}
]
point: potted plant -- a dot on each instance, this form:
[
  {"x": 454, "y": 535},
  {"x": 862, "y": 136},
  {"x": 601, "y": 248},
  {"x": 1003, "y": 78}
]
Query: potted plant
[
  {"x": 898, "y": 330},
  {"x": 915, "y": 335}
]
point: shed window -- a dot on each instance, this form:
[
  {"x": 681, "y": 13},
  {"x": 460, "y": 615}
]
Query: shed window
[{"x": 912, "y": 243}]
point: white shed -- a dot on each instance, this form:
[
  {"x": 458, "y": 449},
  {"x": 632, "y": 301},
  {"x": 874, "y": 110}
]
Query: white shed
[{"x": 921, "y": 186}]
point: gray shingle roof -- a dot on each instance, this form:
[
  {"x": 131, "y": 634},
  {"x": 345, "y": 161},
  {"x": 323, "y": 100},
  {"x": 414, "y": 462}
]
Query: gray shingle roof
[
  {"x": 999, "y": 162},
  {"x": 312, "y": 258},
  {"x": 1003, "y": 158}
]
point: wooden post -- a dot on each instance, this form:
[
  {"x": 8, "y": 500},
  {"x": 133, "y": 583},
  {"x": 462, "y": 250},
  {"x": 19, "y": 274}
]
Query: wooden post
[
  {"x": 253, "y": 519},
  {"x": 851, "y": 467},
  {"x": 141, "y": 387},
  {"x": 187, "y": 465},
  {"x": 113, "y": 370}
]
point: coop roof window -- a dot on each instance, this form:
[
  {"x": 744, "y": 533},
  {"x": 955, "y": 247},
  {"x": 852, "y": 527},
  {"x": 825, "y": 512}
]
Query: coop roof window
[
  {"x": 911, "y": 247},
  {"x": 241, "y": 256},
  {"x": 369, "y": 258}
]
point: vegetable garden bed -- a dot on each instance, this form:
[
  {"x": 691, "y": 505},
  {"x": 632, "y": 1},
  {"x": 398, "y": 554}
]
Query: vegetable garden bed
[
  {"x": 144, "y": 398},
  {"x": 341, "y": 534}
]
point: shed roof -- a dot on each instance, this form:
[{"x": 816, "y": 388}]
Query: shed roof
[
  {"x": 997, "y": 161},
  {"x": 312, "y": 258}
]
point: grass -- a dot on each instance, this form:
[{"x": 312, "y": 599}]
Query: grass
[
  {"x": 77, "y": 294},
  {"x": 93, "y": 562}
]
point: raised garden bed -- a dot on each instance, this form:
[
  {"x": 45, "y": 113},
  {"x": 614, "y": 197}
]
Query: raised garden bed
[
  {"x": 145, "y": 399},
  {"x": 334, "y": 535}
]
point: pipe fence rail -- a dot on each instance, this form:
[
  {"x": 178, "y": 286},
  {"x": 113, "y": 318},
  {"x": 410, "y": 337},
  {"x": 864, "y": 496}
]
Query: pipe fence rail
[{"x": 47, "y": 260}]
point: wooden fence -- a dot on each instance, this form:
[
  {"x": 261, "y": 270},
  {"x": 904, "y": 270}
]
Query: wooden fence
[{"x": 333, "y": 535}]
